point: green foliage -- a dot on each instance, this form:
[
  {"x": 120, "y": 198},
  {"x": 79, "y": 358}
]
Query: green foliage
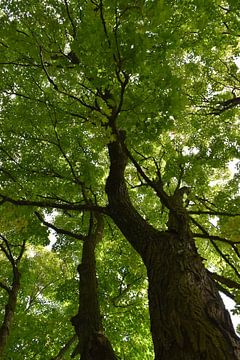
[
  {"x": 123, "y": 296},
  {"x": 62, "y": 73},
  {"x": 41, "y": 324}
]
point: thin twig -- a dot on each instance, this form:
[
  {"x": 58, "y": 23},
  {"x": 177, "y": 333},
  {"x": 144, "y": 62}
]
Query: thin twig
[{"x": 71, "y": 20}]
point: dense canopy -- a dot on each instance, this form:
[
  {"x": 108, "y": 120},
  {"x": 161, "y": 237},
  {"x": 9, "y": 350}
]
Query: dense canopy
[{"x": 119, "y": 179}]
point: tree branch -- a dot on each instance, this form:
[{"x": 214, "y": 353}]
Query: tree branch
[
  {"x": 54, "y": 205},
  {"x": 223, "y": 280},
  {"x": 212, "y": 212},
  {"x": 56, "y": 87},
  {"x": 227, "y": 105},
  {"x": 7, "y": 250},
  {"x": 157, "y": 186},
  {"x": 225, "y": 257},
  {"x": 22, "y": 249},
  {"x": 214, "y": 237},
  {"x": 65, "y": 348},
  {"x": 100, "y": 8},
  {"x": 59, "y": 230},
  {"x": 223, "y": 290},
  {"x": 59, "y": 145},
  {"x": 51, "y": 81},
  {"x": 120, "y": 207},
  {"x": 70, "y": 19}
]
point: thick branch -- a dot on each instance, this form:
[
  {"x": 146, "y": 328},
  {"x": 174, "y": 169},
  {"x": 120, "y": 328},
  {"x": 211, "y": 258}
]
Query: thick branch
[
  {"x": 227, "y": 105},
  {"x": 134, "y": 227},
  {"x": 156, "y": 185},
  {"x": 22, "y": 249},
  {"x": 225, "y": 281}
]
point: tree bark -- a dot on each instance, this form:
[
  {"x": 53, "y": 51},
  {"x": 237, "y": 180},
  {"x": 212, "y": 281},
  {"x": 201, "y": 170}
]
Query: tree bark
[
  {"x": 188, "y": 317},
  {"x": 92, "y": 342},
  {"x": 10, "y": 309}
]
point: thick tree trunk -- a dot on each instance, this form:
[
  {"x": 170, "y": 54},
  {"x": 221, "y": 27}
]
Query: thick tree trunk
[
  {"x": 93, "y": 344},
  {"x": 188, "y": 318},
  {"x": 10, "y": 309}
]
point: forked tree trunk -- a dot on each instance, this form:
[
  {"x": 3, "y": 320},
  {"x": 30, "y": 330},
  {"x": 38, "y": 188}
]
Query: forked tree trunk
[{"x": 188, "y": 318}]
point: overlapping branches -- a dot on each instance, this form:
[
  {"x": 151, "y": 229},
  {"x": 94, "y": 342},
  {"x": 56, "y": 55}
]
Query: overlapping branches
[
  {"x": 6, "y": 248},
  {"x": 53, "y": 205},
  {"x": 213, "y": 240}
]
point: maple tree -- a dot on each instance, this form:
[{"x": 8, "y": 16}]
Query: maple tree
[{"x": 126, "y": 111}]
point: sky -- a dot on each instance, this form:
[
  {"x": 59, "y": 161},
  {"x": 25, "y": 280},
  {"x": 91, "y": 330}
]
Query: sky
[{"x": 229, "y": 304}]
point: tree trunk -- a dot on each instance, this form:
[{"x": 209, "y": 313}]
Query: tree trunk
[
  {"x": 10, "y": 309},
  {"x": 188, "y": 318},
  {"x": 93, "y": 344}
]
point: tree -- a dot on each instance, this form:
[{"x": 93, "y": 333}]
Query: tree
[
  {"x": 30, "y": 277},
  {"x": 92, "y": 342},
  {"x": 11, "y": 253},
  {"x": 129, "y": 110},
  {"x": 12, "y": 291}
]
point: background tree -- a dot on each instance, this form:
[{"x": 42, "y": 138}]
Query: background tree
[
  {"x": 135, "y": 107},
  {"x": 30, "y": 277},
  {"x": 12, "y": 291},
  {"x": 92, "y": 342}
]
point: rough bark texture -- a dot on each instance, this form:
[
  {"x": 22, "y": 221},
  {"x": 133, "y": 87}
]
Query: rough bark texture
[
  {"x": 188, "y": 318},
  {"x": 93, "y": 344},
  {"x": 187, "y": 314},
  {"x": 9, "y": 310}
]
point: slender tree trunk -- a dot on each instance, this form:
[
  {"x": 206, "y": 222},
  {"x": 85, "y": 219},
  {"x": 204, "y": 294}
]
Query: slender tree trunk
[
  {"x": 188, "y": 318},
  {"x": 65, "y": 348},
  {"x": 93, "y": 344},
  {"x": 10, "y": 308}
]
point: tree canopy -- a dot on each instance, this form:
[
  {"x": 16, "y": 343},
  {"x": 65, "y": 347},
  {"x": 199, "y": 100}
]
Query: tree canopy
[{"x": 125, "y": 111}]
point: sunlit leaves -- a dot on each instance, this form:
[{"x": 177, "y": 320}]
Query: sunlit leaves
[
  {"x": 40, "y": 308},
  {"x": 63, "y": 69}
]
